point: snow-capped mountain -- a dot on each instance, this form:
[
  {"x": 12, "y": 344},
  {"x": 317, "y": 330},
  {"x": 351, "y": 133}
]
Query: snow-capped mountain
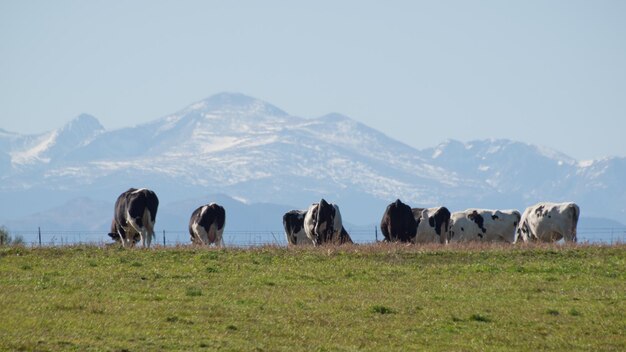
[
  {"x": 254, "y": 152},
  {"x": 51, "y": 146}
]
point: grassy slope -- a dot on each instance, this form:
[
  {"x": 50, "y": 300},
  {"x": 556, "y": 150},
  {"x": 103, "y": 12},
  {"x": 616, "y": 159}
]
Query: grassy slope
[{"x": 354, "y": 298}]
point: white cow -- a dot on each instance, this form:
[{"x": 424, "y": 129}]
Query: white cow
[
  {"x": 206, "y": 225},
  {"x": 549, "y": 222},
  {"x": 322, "y": 224},
  {"x": 484, "y": 225},
  {"x": 432, "y": 224},
  {"x": 134, "y": 217}
]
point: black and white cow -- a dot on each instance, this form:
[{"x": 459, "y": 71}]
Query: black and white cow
[
  {"x": 293, "y": 222},
  {"x": 134, "y": 217},
  {"x": 484, "y": 225},
  {"x": 432, "y": 224},
  {"x": 206, "y": 225},
  {"x": 398, "y": 223},
  {"x": 322, "y": 224},
  {"x": 549, "y": 222}
]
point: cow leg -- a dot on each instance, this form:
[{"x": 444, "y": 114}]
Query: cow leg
[
  {"x": 568, "y": 235},
  {"x": 148, "y": 227},
  {"x": 124, "y": 238},
  {"x": 443, "y": 237},
  {"x": 201, "y": 237},
  {"x": 211, "y": 235},
  {"x": 204, "y": 236},
  {"x": 143, "y": 239},
  {"x": 147, "y": 238},
  {"x": 193, "y": 237},
  {"x": 141, "y": 231},
  {"x": 219, "y": 236}
]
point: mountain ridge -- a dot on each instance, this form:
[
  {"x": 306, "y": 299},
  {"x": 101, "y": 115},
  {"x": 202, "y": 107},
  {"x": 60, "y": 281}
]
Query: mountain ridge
[{"x": 249, "y": 149}]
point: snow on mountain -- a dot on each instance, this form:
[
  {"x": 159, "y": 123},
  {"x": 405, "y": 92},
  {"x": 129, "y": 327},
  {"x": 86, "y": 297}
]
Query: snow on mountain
[
  {"x": 231, "y": 140},
  {"x": 252, "y": 150},
  {"x": 53, "y": 145},
  {"x": 505, "y": 165}
]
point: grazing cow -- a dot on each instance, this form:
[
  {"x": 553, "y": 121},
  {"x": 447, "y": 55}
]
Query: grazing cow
[
  {"x": 432, "y": 224},
  {"x": 322, "y": 224},
  {"x": 398, "y": 223},
  {"x": 206, "y": 225},
  {"x": 293, "y": 222},
  {"x": 484, "y": 225},
  {"x": 549, "y": 222},
  {"x": 134, "y": 217}
]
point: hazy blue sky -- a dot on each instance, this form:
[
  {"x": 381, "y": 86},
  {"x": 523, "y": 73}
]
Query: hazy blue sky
[{"x": 551, "y": 73}]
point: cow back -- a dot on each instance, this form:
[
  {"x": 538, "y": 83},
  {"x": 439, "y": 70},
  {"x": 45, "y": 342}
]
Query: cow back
[
  {"x": 398, "y": 222},
  {"x": 549, "y": 222}
]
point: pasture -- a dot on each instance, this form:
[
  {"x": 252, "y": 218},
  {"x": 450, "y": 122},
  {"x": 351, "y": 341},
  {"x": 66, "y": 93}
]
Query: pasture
[{"x": 378, "y": 297}]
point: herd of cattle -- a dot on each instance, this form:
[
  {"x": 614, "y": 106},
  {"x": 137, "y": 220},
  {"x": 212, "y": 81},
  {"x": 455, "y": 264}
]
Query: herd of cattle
[{"x": 135, "y": 215}]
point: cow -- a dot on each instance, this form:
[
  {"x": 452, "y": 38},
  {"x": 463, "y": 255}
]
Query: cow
[
  {"x": 134, "y": 217},
  {"x": 484, "y": 225},
  {"x": 206, "y": 225},
  {"x": 432, "y": 224},
  {"x": 322, "y": 224},
  {"x": 549, "y": 222},
  {"x": 293, "y": 222},
  {"x": 398, "y": 223}
]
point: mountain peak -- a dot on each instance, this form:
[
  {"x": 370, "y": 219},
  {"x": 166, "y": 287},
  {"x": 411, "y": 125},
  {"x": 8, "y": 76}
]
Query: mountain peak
[
  {"x": 229, "y": 98},
  {"x": 235, "y": 101},
  {"x": 334, "y": 116},
  {"x": 83, "y": 124}
]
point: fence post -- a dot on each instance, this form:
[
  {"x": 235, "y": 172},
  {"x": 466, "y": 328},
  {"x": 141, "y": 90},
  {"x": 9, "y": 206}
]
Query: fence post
[
  {"x": 275, "y": 240},
  {"x": 611, "y": 236},
  {"x": 376, "y": 232},
  {"x": 163, "y": 238},
  {"x": 39, "y": 231}
]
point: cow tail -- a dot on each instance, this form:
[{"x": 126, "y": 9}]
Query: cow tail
[{"x": 575, "y": 215}]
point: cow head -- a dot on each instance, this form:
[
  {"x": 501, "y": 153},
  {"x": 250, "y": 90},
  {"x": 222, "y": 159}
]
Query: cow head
[
  {"x": 130, "y": 242},
  {"x": 118, "y": 234}
]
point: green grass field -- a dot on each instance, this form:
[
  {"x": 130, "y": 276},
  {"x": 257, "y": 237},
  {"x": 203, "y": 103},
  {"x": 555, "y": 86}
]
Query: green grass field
[{"x": 353, "y": 298}]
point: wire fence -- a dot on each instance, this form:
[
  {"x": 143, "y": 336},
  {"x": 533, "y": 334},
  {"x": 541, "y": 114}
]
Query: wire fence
[{"x": 170, "y": 238}]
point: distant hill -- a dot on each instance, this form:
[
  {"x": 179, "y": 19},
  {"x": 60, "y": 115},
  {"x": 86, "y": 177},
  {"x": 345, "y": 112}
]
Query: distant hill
[{"x": 252, "y": 151}]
